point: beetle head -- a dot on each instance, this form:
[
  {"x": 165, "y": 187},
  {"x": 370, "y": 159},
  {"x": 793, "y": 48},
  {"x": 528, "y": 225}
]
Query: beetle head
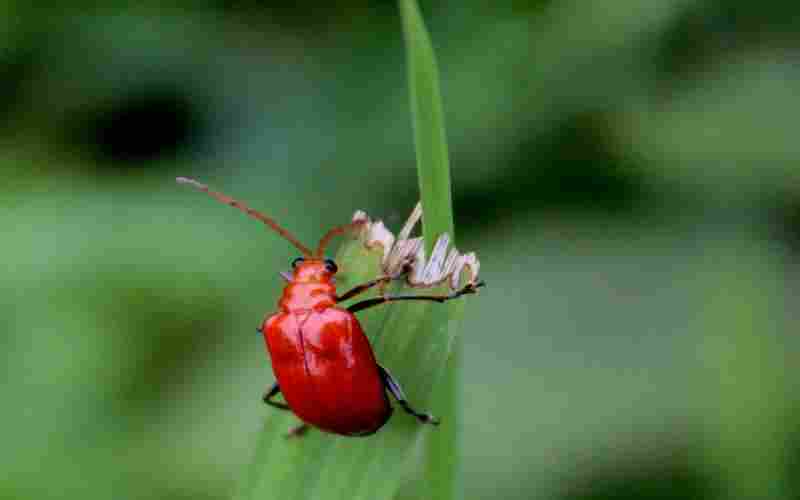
[{"x": 312, "y": 270}]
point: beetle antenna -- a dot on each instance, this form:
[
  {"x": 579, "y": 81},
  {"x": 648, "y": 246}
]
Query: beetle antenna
[
  {"x": 336, "y": 231},
  {"x": 249, "y": 211}
]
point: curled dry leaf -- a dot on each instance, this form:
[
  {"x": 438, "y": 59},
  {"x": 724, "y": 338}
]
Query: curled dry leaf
[{"x": 403, "y": 254}]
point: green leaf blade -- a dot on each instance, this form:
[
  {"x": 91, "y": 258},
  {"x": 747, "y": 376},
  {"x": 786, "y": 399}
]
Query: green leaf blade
[
  {"x": 415, "y": 341},
  {"x": 441, "y": 471},
  {"x": 430, "y": 141}
]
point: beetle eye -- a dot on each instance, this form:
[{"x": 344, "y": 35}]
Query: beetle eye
[
  {"x": 331, "y": 266},
  {"x": 297, "y": 261}
]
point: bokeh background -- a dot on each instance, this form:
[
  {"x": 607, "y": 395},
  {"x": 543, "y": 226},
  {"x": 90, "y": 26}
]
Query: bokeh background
[{"x": 626, "y": 170}]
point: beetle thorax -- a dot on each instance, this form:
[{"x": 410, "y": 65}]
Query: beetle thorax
[
  {"x": 306, "y": 296},
  {"x": 311, "y": 288}
]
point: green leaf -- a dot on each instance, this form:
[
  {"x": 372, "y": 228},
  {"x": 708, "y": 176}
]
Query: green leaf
[
  {"x": 414, "y": 340},
  {"x": 442, "y": 467},
  {"x": 433, "y": 166}
]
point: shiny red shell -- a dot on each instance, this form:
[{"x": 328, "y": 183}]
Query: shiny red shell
[{"x": 321, "y": 358}]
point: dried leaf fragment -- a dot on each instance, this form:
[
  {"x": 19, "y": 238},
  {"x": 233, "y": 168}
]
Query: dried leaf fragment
[{"x": 405, "y": 255}]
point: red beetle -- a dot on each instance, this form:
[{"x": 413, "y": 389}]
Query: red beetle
[{"x": 322, "y": 361}]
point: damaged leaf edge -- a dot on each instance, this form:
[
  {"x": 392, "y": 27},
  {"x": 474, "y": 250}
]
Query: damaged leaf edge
[{"x": 402, "y": 254}]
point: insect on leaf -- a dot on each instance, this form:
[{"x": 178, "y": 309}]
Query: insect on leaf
[
  {"x": 319, "y": 465},
  {"x": 416, "y": 341}
]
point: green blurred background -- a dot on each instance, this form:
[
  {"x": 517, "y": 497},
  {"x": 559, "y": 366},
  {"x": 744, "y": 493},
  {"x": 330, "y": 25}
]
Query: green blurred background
[{"x": 626, "y": 170}]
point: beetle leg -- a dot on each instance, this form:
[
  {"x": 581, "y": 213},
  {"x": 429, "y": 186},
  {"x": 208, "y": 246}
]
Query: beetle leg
[
  {"x": 365, "y": 304},
  {"x": 359, "y": 289},
  {"x": 382, "y": 281},
  {"x": 297, "y": 431},
  {"x": 271, "y": 393},
  {"x": 393, "y": 386}
]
